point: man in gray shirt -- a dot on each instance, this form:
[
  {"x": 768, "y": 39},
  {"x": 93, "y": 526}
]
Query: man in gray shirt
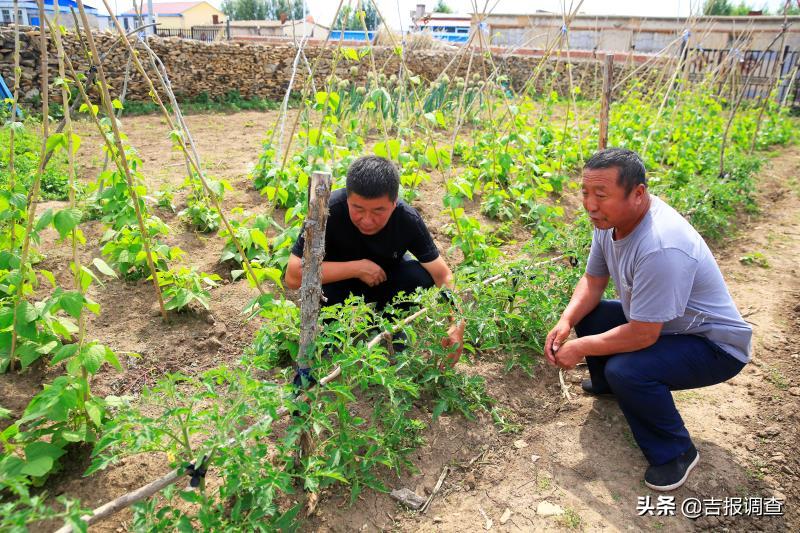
[{"x": 674, "y": 327}]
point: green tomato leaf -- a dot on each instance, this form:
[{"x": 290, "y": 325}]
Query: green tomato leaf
[{"x": 40, "y": 458}]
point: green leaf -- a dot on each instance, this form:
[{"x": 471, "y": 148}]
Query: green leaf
[
  {"x": 432, "y": 157},
  {"x": 95, "y": 412},
  {"x": 440, "y": 408},
  {"x": 76, "y": 143},
  {"x": 66, "y": 220},
  {"x": 72, "y": 302},
  {"x": 333, "y": 474},
  {"x": 350, "y": 53},
  {"x": 92, "y": 357},
  {"x": 44, "y": 220},
  {"x": 112, "y": 359},
  {"x": 65, "y": 352},
  {"x": 26, "y": 313},
  {"x": 259, "y": 238},
  {"x": 56, "y": 141},
  {"x": 103, "y": 267},
  {"x": 440, "y": 118},
  {"x": 40, "y": 458},
  {"x": 51, "y": 279},
  {"x": 380, "y": 149},
  {"x": 71, "y": 436},
  {"x": 6, "y": 317}
]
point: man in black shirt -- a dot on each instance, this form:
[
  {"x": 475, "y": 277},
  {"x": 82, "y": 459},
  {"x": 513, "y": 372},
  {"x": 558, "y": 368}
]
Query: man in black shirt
[{"x": 367, "y": 240}]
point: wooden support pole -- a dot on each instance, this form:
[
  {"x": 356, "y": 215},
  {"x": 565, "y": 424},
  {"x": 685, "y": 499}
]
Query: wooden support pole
[
  {"x": 106, "y": 100},
  {"x": 605, "y": 103},
  {"x": 313, "y": 253}
]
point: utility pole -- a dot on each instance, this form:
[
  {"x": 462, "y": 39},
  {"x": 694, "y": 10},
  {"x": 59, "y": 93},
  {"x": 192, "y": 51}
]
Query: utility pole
[{"x": 151, "y": 18}]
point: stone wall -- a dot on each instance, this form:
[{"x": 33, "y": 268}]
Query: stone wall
[{"x": 264, "y": 70}]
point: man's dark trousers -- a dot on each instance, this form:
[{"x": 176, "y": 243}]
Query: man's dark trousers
[
  {"x": 642, "y": 380},
  {"x": 405, "y": 276}
]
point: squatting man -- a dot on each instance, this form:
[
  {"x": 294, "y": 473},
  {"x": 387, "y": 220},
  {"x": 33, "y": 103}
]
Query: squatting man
[
  {"x": 674, "y": 326},
  {"x": 369, "y": 236}
]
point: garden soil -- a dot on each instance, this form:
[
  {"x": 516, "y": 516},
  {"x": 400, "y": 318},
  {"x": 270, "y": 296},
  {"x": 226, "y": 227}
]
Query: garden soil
[{"x": 577, "y": 456}]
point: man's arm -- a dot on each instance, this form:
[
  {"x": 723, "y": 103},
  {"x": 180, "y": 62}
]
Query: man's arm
[
  {"x": 628, "y": 337},
  {"x": 443, "y": 277},
  {"x": 585, "y": 297},
  {"x": 333, "y": 271},
  {"x": 440, "y": 272},
  {"x": 663, "y": 285}
]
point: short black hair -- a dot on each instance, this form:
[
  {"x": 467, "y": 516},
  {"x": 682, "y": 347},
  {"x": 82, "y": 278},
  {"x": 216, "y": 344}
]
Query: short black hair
[
  {"x": 373, "y": 177},
  {"x": 629, "y": 164}
]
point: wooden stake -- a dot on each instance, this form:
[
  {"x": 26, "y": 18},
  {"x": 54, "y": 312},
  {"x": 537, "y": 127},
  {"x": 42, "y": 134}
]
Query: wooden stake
[
  {"x": 34, "y": 194},
  {"x": 106, "y": 100},
  {"x": 313, "y": 253},
  {"x": 605, "y": 103}
]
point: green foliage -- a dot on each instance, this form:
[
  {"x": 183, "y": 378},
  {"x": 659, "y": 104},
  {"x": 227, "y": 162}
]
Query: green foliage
[
  {"x": 231, "y": 101},
  {"x": 262, "y": 9},
  {"x": 184, "y": 285},
  {"x": 729, "y": 9},
  {"x": 200, "y": 215},
  {"x": 124, "y": 249},
  {"x": 27, "y": 148},
  {"x": 165, "y": 199},
  {"x": 755, "y": 258},
  {"x": 442, "y": 7},
  {"x": 364, "y": 14}
]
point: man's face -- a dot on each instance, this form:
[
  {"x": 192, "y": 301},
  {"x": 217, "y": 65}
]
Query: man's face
[
  {"x": 370, "y": 215},
  {"x": 605, "y": 200}
]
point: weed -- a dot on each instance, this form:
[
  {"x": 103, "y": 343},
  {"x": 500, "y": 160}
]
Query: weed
[
  {"x": 571, "y": 519},
  {"x": 544, "y": 483},
  {"x": 755, "y": 258},
  {"x": 776, "y": 377},
  {"x": 626, "y": 432},
  {"x": 203, "y": 103}
]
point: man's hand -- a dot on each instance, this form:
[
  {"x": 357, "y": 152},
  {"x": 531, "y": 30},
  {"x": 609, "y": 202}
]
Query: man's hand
[
  {"x": 555, "y": 339},
  {"x": 370, "y": 273},
  {"x": 569, "y": 355},
  {"x": 455, "y": 337}
]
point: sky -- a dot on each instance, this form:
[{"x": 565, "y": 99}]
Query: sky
[{"x": 397, "y": 11}]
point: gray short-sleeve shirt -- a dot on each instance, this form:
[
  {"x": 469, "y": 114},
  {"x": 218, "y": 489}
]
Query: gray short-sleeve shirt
[{"x": 664, "y": 272}]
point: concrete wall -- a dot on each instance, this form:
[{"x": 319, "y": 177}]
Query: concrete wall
[{"x": 647, "y": 35}]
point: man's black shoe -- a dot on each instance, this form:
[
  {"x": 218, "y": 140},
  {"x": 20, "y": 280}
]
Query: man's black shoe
[
  {"x": 672, "y": 475},
  {"x": 587, "y": 386}
]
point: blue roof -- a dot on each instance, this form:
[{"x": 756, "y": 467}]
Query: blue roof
[{"x": 63, "y": 5}]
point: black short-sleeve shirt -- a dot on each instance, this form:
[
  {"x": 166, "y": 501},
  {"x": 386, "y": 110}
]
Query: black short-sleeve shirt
[{"x": 404, "y": 232}]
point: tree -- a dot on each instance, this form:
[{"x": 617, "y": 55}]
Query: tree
[
  {"x": 442, "y": 7},
  {"x": 262, "y": 9},
  {"x": 349, "y": 19},
  {"x": 725, "y": 8}
]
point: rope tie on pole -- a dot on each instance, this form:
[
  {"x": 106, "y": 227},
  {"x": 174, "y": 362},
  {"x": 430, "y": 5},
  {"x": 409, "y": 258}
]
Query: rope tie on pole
[{"x": 197, "y": 472}]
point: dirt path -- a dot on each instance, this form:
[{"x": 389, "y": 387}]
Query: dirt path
[{"x": 581, "y": 457}]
